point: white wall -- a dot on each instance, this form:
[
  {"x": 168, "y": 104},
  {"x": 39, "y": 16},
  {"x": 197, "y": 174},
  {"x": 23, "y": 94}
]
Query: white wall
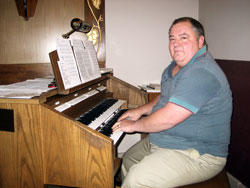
[
  {"x": 137, "y": 36},
  {"x": 227, "y": 27}
]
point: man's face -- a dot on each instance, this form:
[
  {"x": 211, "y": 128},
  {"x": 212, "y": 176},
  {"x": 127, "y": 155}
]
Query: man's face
[{"x": 183, "y": 43}]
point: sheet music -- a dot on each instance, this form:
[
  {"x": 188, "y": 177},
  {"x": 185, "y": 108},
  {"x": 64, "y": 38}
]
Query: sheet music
[
  {"x": 67, "y": 64},
  {"x": 93, "y": 58},
  {"x": 86, "y": 60},
  {"x": 82, "y": 59}
]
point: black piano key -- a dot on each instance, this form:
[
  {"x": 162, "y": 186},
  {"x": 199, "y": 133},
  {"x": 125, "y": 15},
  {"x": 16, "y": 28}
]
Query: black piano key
[
  {"x": 107, "y": 128},
  {"x": 95, "y": 112}
]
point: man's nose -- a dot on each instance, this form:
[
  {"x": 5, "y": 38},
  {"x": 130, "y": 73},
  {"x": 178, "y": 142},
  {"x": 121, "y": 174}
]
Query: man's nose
[{"x": 176, "y": 42}]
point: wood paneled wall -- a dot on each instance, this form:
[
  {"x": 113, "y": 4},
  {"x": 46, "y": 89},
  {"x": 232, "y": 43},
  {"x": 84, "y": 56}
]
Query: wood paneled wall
[
  {"x": 238, "y": 75},
  {"x": 31, "y": 41},
  {"x": 12, "y": 73}
]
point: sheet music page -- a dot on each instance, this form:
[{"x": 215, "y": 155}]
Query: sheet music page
[
  {"x": 67, "y": 64},
  {"x": 94, "y": 69},
  {"x": 83, "y": 60}
]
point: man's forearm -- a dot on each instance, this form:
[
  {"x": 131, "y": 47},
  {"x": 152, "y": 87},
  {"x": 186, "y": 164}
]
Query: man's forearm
[
  {"x": 146, "y": 109},
  {"x": 162, "y": 119}
]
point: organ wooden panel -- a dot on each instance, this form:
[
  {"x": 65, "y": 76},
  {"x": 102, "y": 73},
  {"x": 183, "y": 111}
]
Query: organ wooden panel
[
  {"x": 48, "y": 147},
  {"x": 21, "y": 151},
  {"x": 133, "y": 95},
  {"x": 75, "y": 155}
]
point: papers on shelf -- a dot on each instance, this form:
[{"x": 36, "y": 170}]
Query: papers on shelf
[
  {"x": 26, "y": 89},
  {"x": 106, "y": 70},
  {"x": 154, "y": 86},
  {"x": 148, "y": 88}
]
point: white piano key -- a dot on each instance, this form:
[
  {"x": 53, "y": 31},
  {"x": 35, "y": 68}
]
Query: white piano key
[
  {"x": 115, "y": 136},
  {"x": 105, "y": 115}
]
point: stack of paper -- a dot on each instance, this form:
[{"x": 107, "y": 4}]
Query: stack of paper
[
  {"x": 26, "y": 89},
  {"x": 148, "y": 88}
]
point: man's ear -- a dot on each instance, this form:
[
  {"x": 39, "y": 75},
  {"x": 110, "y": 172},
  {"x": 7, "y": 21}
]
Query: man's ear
[{"x": 201, "y": 41}]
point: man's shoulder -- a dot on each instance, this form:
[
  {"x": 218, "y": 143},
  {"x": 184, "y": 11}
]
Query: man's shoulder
[{"x": 204, "y": 58}]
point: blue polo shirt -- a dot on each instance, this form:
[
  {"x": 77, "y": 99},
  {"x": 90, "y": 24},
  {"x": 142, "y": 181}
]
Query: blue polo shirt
[{"x": 202, "y": 88}]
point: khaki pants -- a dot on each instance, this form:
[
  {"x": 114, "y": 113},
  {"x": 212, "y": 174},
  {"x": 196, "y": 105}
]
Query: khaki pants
[{"x": 146, "y": 165}]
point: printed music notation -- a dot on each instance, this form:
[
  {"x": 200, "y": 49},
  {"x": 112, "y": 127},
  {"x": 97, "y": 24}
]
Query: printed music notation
[
  {"x": 77, "y": 62},
  {"x": 86, "y": 60}
]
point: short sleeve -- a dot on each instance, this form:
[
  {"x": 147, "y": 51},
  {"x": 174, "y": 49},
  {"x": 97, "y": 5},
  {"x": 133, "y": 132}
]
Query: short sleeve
[{"x": 194, "y": 89}]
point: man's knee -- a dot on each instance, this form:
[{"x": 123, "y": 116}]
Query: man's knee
[
  {"x": 131, "y": 180},
  {"x": 135, "y": 178}
]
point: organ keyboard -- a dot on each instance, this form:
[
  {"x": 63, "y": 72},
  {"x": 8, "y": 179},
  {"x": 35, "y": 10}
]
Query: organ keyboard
[{"x": 103, "y": 116}]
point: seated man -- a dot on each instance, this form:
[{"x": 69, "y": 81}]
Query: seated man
[{"x": 188, "y": 124}]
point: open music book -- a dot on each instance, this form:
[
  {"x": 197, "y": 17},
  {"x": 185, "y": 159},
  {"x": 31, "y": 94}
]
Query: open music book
[{"x": 77, "y": 62}]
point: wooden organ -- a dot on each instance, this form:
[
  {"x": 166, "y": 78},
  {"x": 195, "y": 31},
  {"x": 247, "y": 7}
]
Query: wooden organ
[{"x": 49, "y": 146}]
